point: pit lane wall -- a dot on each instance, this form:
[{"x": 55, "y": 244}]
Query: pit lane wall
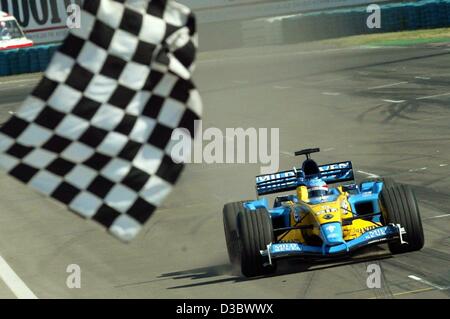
[
  {"x": 28, "y": 60},
  {"x": 222, "y": 27},
  {"x": 44, "y": 21},
  {"x": 324, "y": 24},
  {"x": 212, "y": 11},
  {"x": 405, "y": 16}
]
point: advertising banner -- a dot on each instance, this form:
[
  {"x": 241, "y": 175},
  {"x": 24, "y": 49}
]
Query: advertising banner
[{"x": 44, "y": 21}]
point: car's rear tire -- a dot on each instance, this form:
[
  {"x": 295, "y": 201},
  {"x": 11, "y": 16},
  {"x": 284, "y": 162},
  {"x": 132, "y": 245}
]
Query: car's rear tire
[
  {"x": 230, "y": 213},
  {"x": 399, "y": 206},
  {"x": 255, "y": 233}
]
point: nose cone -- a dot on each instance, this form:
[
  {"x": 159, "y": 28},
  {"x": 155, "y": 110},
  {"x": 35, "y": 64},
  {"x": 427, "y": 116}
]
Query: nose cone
[{"x": 332, "y": 234}]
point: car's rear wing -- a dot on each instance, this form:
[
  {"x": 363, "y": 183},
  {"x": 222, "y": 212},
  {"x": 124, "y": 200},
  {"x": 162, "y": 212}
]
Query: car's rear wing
[
  {"x": 278, "y": 182},
  {"x": 337, "y": 172},
  {"x": 289, "y": 180}
]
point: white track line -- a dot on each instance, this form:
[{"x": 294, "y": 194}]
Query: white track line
[
  {"x": 331, "y": 93},
  {"x": 281, "y": 87},
  {"x": 426, "y": 282},
  {"x": 36, "y": 79},
  {"x": 422, "y": 78},
  {"x": 9, "y": 88},
  {"x": 387, "y": 85},
  {"x": 368, "y": 174},
  {"x": 287, "y": 153},
  {"x": 432, "y": 96},
  {"x": 202, "y": 60},
  {"x": 17, "y": 286},
  {"x": 394, "y": 101},
  {"x": 412, "y": 170},
  {"x": 438, "y": 216}
]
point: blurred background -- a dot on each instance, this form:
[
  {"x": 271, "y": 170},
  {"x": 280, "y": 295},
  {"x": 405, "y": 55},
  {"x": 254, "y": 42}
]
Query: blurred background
[
  {"x": 230, "y": 23},
  {"x": 225, "y": 24},
  {"x": 236, "y": 23}
]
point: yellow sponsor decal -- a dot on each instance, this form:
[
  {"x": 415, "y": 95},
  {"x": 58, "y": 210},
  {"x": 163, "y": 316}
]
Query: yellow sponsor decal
[{"x": 365, "y": 229}]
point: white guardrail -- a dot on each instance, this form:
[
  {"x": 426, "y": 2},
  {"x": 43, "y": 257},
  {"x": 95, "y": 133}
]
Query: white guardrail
[{"x": 44, "y": 21}]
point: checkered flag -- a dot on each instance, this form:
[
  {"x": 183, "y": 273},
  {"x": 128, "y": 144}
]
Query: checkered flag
[{"x": 95, "y": 133}]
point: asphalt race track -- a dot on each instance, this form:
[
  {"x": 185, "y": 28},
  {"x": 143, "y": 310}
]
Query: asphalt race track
[{"x": 386, "y": 109}]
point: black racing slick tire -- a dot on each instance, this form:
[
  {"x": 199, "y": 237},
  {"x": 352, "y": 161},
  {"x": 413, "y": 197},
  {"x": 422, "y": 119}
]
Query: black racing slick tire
[
  {"x": 388, "y": 182},
  {"x": 399, "y": 206},
  {"x": 255, "y": 233},
  {"x": 230, "y": 213}
]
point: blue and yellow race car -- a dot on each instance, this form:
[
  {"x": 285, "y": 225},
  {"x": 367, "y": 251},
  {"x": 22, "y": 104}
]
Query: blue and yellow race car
[{"x": 319, "y": 220}]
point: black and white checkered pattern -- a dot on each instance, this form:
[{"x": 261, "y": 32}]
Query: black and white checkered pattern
[{"x": 95, "y": 132}]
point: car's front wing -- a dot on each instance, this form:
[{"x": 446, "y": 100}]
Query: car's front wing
[{"x": 377, "y": 235}]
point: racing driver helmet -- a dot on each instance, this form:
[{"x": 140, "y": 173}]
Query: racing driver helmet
[{"x": 317, "y": 188}]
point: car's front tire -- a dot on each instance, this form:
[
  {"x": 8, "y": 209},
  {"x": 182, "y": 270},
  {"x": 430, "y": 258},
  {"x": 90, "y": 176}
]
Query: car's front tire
[
  {"x": 230, "y": 213},
  {"x": 255, "y": 233},
  {"x": 399, "y": 206}
]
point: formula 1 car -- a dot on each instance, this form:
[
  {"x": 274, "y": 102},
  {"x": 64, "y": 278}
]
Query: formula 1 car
[{"x": 317, "y": 221}]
